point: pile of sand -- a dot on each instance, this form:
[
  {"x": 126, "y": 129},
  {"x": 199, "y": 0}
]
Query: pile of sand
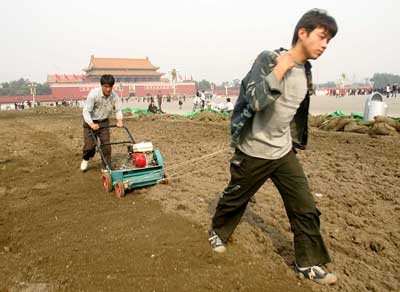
[
  {"x": 209, "y": 117},
  {"x": 201, "y": 117},
  {"x": 379, "y": 126},
  {"x": 54, "y": 110}
]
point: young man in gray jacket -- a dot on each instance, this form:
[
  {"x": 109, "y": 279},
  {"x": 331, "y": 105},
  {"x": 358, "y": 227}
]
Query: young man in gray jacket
[
  {"x": 97, "y": 109},
  {"x": 274, "y": 101}
]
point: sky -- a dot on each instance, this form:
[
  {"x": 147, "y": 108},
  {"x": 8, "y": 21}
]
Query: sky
[{"x": 213, "y": 40}]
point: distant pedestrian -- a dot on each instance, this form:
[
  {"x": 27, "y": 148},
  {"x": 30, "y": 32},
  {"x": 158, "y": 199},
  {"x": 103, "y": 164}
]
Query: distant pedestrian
[
  {"x": 394, "y": 90},
  {"x": 228, "y": 106},
  {"x": 203, "y": 99},
  {"x": 159, "y": 101},
  {"x": 387, "y": 90}
]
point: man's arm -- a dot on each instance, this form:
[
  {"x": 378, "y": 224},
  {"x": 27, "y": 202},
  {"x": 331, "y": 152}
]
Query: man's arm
[
  {"x": 265, "y": 83},
  {"x": 88, "y": 108}
]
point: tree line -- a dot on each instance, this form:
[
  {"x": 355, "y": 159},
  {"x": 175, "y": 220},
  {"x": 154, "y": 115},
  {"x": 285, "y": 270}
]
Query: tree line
[
  {"x": 23, "y": 87},
  {"x": 382, "y": 79}
]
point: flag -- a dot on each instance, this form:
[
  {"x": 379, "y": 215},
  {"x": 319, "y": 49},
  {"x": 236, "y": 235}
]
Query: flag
[
  {"x": 191, "y": 77},
  {"x": 66, "y": 76},
  {"x": 75, "y": 76},
  {"x": 180, "y": 76},
  {"x": 58, "y": 77}
]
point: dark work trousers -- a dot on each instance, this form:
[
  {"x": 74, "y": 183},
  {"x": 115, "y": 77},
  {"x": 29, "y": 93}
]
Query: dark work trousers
[
  {"x": 248, "y": 174},
  {"x": 89, "y": 146}
]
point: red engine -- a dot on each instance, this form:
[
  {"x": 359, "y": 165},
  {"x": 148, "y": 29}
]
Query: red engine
[{"x": 139, "y": 159}]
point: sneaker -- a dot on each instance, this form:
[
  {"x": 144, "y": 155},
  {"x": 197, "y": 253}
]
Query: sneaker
[
  {"x": 316, "y": 274},
  {"x": 216, "y": 243},
  {"x": 84, "y": 165}
]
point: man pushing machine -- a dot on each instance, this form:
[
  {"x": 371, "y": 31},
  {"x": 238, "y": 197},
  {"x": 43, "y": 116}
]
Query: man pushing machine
[{"x": 97, "y": 109}]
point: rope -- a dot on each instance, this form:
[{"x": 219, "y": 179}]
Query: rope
[
  {"x": 196, "y": 159},
  {"x": 177, "y": 174}
]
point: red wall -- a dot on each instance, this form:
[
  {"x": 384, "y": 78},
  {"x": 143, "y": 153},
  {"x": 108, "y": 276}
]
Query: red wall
[
  {"x": 230, "y": 91},
  {"x": 81, "y": 91},
  {"x": 165, "y": 89}
]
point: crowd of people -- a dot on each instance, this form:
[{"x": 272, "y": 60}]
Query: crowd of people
[
  {"x": 390, "y": 90},
  {"x": 340, "y": 92},
  {"x": 30, "y": 104},
  {"x": 201, "y": 101},
  {"x": 160, "y": 100}
]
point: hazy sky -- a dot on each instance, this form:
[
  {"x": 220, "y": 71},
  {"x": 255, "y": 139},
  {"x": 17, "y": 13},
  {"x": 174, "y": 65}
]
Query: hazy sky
[{"x": 216, "y": 40}]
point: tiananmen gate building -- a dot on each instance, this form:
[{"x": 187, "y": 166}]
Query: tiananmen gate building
[{"x": 134, "y": 77}]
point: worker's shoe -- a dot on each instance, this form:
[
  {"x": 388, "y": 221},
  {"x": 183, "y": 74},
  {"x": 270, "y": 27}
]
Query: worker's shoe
[
  {"x": 84, "y": 165},
  {"x": 316, "y": 274},
  {"x": 216, "y": 242}
]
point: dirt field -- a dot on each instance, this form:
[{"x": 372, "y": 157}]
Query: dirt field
[{"x": 59, "y": 231}]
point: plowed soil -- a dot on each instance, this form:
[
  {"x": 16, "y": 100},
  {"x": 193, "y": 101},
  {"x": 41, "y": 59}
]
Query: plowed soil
[{"x": 59, "y": 231}]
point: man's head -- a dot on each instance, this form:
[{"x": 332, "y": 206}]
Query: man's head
[
  {"x": 313, "y": 32},
  {"x": 228, "y": 100},
  {"x": 107, "y": 82}
]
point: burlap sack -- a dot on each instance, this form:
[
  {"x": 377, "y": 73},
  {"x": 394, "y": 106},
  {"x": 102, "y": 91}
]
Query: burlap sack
[
  {"x": 395, "y": 124},
  {"x": 354, "y": 127},
  {"x": 316, "y": 121},
  {"x": 383, "y": 129}
]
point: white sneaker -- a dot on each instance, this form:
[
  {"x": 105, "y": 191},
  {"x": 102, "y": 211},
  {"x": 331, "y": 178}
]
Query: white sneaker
[
  {"x": 316, "y": 274},
  {"x": 84, "y": 165},
  {"x": 217, "y": 244}
]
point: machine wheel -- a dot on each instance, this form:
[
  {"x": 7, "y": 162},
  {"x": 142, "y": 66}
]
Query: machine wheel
[
  {"x": 120, "y": 189},
  {"x": 107, "y": 182}
]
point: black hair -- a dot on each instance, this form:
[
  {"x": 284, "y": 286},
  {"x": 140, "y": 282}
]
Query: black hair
[
  {"x": 228, "y": 99},
  {"x": 315, "y": 18},
  {"x": 107, "y": 79}
]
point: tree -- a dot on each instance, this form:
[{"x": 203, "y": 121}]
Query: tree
[
  {"x": 236, "y": 83},
  {"x": 174, "y": 75},
  {"x": 22, "y": 87},
  {"x": 203, "y": 85},
  {"x": 329, "y": 84},
  {"x": 43, "y": 89},
  {"x": 380, "y": 80}
]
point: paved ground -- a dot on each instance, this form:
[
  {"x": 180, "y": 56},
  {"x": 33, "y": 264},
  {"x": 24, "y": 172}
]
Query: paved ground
[{"x": 319, "y": 105}]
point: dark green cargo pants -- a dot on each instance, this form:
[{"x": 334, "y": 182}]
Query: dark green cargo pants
[{"x": 248, "y": 174}]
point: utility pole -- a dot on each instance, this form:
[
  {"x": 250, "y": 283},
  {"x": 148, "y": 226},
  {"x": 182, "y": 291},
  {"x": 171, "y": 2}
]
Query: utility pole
[
  {"x": 32, "y": 87},
  {"x": 121, "y": 88},
  {"x": 226, "y": 85},
  {"x": 174, "y": 75}
]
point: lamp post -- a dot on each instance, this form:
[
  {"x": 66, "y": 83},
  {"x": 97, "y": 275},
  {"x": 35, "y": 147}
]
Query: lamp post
[
  {"x": 121, "y": 88},
  {"x": 226, "y": 85},
  {"x": 32, "y": 87},
  {"x": 174, "y": 75}
]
